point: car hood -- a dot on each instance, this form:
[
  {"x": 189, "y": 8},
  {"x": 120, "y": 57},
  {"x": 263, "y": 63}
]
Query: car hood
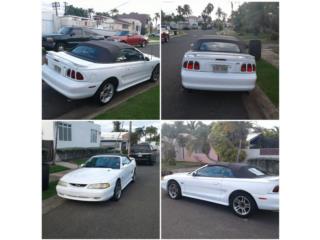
[
  {"x": 57, "y": 35},
  {"x": 151, "y": 57},
  {"x": 176, "y": 175},
  {"x": 91, "y": 175},
  {"x": 118, "y": 37}
]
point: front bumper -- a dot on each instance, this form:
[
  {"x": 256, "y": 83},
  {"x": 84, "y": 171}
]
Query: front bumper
[
  {"x": 267, "y": 201},
  {"x": 218, "y": 81},
  {"x": 70, "y": 88},
  {"x": 48, "y": 45},
  {"x": 164, "y": 184},
  {"x": 84, "y": 194}
]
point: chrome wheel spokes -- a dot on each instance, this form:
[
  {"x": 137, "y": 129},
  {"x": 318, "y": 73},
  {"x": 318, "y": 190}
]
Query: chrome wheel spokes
[
  {"x": 106, "y": 93},
  {"x": 241, "y": 205},
  {"x": 173, "y": 190}
]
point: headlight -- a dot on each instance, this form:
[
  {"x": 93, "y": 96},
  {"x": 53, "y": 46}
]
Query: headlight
[
  {"x": 62, "y": 183},
  {"x": 49, "y": 39},
  {"x": 99, "y": 186}
]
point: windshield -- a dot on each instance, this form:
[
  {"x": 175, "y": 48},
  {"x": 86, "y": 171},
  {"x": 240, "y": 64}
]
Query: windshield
[
  {"x": 64, "y": 30},
  {"x": 219, "y": 47},
  {"x": 140, "y": 148},
  {"x": 122, "y": 33},
  {"x": 103, "y": 162}
]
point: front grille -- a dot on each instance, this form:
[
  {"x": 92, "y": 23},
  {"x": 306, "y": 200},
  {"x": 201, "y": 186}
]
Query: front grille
[{"x": 78, "y": 185}]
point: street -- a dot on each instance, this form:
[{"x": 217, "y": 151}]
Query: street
[
  {"x": 135, "y": 215},
  {"x": 55, "y": 105},
  {"x": 191, "y": 218},
  {"x": 177, "y": 104}
]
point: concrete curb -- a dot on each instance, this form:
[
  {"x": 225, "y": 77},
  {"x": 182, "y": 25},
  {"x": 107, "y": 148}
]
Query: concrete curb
[
  {"x": 51, "y": 203},
  {"x": 75, "y": 113},
  {"x": 259, "y": 106}
]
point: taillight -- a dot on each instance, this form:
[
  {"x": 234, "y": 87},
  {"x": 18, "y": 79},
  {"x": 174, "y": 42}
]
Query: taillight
[
  {"x": 243, "y": 68},
  {"x": 79, "y": 76},
  {"x": 196, "y": 66},
  {"x": 276, "y": 189},
  {"x": 249, "y": 68},
  {"x": 190, "y": 65},
  {"x": 185, "y": 64},
  {"x": 73, "y": 74},
  {"x": 69, "y": 72},
  {"x": 253, "y": 67}
]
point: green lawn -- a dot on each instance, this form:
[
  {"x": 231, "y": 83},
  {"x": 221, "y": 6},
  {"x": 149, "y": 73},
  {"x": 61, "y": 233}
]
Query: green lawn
[
  {"x": 57, "y": 168},
  {"x": 79, "y": 161},
  {"x": 180, "y": 164},
  {"x": 142, "y": 106},
  {"x": 268, "y": 80},
  {"x": 51, "y": 191}
]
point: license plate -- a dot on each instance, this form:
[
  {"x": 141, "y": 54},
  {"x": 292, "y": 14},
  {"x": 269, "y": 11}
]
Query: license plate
[
  {"x": 220, "y": 68},
  {"x": 57, "y": 69}
]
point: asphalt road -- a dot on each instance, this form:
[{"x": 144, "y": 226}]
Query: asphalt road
[
  {"x": 189, "y": 218},
  {"x": 55, "y": 105},
  {"x": 177, "y": 104},
  {"x": 135, "y": 215}
]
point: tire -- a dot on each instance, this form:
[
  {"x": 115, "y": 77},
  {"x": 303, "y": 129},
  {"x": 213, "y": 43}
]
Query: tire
[
  {"x": 242, "y": 204},
  {"x": 143, "y": 44},
  {"x": 117, "y": 191},
  {"x": 174, "y": 190},
  {"x": 59, "y": 47},
  {"x": 155, "y": 74},
  {"x": 105, "y": 93},
  {"x": 255, "y": 48}
]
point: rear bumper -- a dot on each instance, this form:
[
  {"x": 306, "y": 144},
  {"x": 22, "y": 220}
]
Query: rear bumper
[
  {"x": 218, "y": 81},
  {"x": 84, "y": 194},
  {"x": 67, "y": 87},
  {"x": 267, "y": 201}
]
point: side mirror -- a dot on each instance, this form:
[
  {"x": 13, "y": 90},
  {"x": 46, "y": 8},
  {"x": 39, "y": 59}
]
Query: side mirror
[
  {"x": 82, "y": 165},
  {"x": 146, "y": 59},
  {"x": 132, "y": 159},
  {"x": 194, "y": 174}
]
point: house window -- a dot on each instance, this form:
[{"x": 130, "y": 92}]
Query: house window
[
  {"x": 64, "y": 132},
  {"x": 94, "y": 136},
  {"x": 125, "y": 26}
]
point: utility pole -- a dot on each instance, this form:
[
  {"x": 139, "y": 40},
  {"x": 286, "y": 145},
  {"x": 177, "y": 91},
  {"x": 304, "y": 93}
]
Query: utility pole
[
  {"x": 65, "y": 7},
  {"x": 130, "y": 129},
  {"x": 56, "y": 5}
]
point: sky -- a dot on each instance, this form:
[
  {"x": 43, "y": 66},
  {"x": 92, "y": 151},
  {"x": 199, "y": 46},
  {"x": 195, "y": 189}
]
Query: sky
[
  {"x": 261, "y": 123},
  {"x": 124, "y": 6},
  {"x": 197, "y": 6},
  {"x": 107, "y": 126}
]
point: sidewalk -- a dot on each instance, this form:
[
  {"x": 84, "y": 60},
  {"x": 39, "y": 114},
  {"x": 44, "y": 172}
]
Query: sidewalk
[
  {"x": 56, "y": 176},
  {"x": 67, "y": 164}
]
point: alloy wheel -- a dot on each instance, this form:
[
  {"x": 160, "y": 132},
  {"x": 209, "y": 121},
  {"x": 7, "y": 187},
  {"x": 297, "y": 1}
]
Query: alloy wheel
[
  {"x": 107, "y": 93},
  {"x": 242, "y": 205},
  {"x": 173, "y": 190}
]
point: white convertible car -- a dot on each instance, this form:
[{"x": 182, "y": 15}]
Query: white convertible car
[
  {"x": 102, "y": 177},
  {"x": 220, "y": 63},
  {"x": 98, "y": 69},
  {"x": 242, "y": 187}
]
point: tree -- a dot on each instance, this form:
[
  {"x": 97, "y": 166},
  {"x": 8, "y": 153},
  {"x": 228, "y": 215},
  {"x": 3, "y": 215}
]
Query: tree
[
  {"x": 206, "y": 13},
  {"x": 186, "y": 10},
  {"x": 156, "y": 17},
  {"x": 116, "y": 126},
  {"x": 140, "y": 132},
  {"x": 151, "y": 131},
  {"x": 182, "y": 141},
  {"x": 114, "y": 12},
  {"x": 75, "y": 11},
  {"x": 90, "y": 12},
  {"x": 228, "y": 139}
]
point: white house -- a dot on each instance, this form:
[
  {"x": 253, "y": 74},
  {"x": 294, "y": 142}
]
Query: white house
[
  {"x": 75, "y": 21},
  {"x": 72, "y": 134}
]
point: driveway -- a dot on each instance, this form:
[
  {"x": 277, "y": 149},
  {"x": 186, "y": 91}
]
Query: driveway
[
  {"x": 177, "y": 104},
  {"x": 189, "y": 218},
  {"x": 55, "y": 105},
  {"x": 135, "y": 215}
]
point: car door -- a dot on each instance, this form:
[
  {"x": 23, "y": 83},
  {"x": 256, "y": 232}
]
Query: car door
[
  {"x": 135, "y": 67},
  {"x": 127, "y": 170},
  {"x": 205, "y": 183}
]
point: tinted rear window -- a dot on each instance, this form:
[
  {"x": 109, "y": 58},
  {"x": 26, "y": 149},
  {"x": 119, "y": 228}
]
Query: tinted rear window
[
  {"x": 140, "y": 148},
  {"x": 92, "y": 54},
  {"x": 219, "y": 47}
]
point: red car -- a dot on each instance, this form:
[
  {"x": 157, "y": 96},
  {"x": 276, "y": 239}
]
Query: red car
[
  {"x": 129, "y": 38},
  {"x": 165, "y": 35}
]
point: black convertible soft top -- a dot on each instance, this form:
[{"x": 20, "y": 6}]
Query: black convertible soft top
[
  {"x": 220, "y": 38},
  {"x": 108, "y": 50},
  {"x": 239, "y": 170}
]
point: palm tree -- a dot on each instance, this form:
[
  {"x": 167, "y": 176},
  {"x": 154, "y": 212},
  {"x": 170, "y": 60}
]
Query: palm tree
[
  {"x": 114, "y": 12},
  {"x": 219, "y": 13},
  {"x": 186, "y": 10},
  {"x": 90, "y": 12},
  {"x": 151, "y": 131},
  {"x": 156, "y": 17}
]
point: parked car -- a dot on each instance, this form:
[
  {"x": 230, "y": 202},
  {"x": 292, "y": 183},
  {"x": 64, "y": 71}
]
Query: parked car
[
  {"x": 101, "y": 178},
  {"x": 242, "y": 187},
  {"x": 155, "y": 34},
  {"x": 165, "y": 35},
  {"x": 220, "y": 63},
  {"x": 98, "y": 69},
  {"x": 68, "y": 37},
  {"x": 130, "y": 38},
  {"x": 144, "y": 153}
]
